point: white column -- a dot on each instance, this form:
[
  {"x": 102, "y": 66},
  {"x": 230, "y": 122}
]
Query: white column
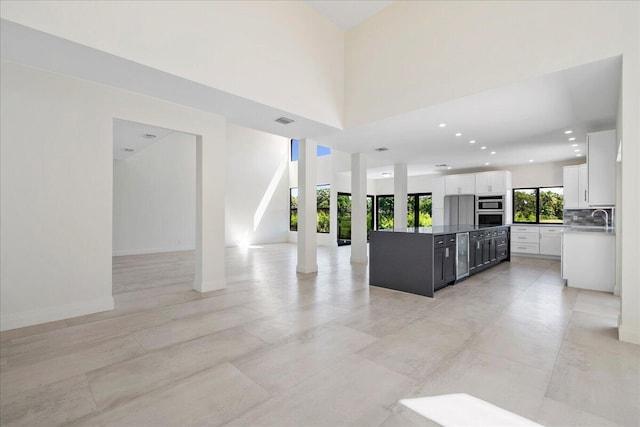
[
  {"x": 358, "y": 208},
  {"x": 629, "y": 231},
  {"x": 400, "y": 195},
  {"x": 210, "y": 177},
  {"x": 307, "y": 207}
]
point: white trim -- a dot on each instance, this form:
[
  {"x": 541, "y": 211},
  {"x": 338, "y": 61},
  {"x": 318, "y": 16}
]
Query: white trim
[
  {"x": 50, "y": 314},
  {"x": 628, "y": 334},
  {"x": 152, "y": 251}
]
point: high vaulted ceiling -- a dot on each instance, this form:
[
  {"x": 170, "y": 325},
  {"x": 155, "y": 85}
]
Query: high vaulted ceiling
[{"x": 521, "y": 122}]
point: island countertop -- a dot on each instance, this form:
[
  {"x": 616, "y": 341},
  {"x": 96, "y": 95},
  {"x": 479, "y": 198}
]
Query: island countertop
[{"x": 444, "y": 229}]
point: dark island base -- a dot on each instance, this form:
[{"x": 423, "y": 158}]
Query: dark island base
[{"x": 421, "y": 262}]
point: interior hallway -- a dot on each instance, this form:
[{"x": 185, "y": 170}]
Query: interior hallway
[{"x": 276, "y": 348}]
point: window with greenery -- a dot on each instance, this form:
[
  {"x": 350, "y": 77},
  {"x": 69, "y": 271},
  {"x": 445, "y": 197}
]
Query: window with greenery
[
  {"x": 320, "y": 150},
  {"x": 323, "y": 196},
  {"x": 419, "y": 210},
  {"x": 538, "y": 205},
  {"x": 344, "y": 218},
  {"x": 384, "y": 209}
]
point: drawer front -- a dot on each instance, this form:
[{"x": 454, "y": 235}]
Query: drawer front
[
  {"x": 439, "y": 241},
  {"x": 524, "y": 229},
  {"x": 450, "y": 239},
  {"x": 501, "y": 252},
  {"x": 524, "y": 238},
  {"x": 501, "y": 241},
  {"x": 502, "y": 231},
  {"x": 525, "y": 248},
  {"x": 551, "y": 230}
]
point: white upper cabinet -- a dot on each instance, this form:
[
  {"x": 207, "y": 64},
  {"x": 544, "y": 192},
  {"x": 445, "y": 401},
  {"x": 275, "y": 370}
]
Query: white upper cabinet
[
  {"x": 576, "y": 191},
  {"x": 460, "y": 184},
  {"x": 601, "y": 167},
  {"x": 496, "y": 182}
]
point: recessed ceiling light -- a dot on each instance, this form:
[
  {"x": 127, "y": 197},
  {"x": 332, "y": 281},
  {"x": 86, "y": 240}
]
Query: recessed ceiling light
[
  {"x": 573, "y": 138},
  {"x": 473, "y": 141},
  {"x": 574, "y": 145},
  {"x": 442, "y": 125},
  {"x": 568, "y": 131},
  {"x": 458, "y": 134},
  {"x": 530, "y": 160},
  {"x": 448, "y": 167},
  {"x": 576, "y": 151},
  {"x": 487, "y": 164},
  {"x": 483, "y": 148},
  {"x": 493, "y": 152},
  {"x": 386, "y": 174},
  {"x": 578, "y": 155}
]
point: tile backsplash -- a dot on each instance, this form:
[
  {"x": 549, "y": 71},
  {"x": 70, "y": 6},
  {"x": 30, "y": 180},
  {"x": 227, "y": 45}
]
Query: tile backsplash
[{"x": 583, "y": 217}]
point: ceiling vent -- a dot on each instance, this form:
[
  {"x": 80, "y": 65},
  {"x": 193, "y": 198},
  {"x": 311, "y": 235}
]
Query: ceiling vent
[
  {"x": 149, "y": 136},
  {"x": 128, "y": 150},
  {"x": 284, "y": 120},
  {"x": 381, "y": 149},
  {"x": 443, "y": 165}
]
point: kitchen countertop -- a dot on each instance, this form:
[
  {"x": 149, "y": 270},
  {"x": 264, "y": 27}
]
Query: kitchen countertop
[
  {"x": 444, "y": 229},
  {"x": 589, "y": 229}
]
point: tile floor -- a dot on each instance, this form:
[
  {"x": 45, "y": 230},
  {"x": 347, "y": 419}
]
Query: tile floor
[{"x": 281, "y": 349}]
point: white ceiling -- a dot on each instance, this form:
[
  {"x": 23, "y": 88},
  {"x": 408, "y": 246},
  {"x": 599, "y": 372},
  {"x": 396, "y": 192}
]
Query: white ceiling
[
  {"x": 520, "y": 122},
  {"x": 131, "y": 136},
  {"x": 346, "y": 14}
]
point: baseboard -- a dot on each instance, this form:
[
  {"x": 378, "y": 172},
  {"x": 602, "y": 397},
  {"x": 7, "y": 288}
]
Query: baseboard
[
  {"x": 628, "y": 334},
  {"x": 152, "y": 251},
  {"x": 50, "y": 314}
]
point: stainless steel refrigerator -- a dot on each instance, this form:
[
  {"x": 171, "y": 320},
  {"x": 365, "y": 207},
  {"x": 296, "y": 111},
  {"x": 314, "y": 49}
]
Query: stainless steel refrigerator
[{"x": 459, "y": 210}]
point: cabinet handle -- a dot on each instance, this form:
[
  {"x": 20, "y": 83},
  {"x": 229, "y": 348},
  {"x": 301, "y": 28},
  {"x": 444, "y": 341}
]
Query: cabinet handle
[
  {"x": 441, "y": 242},
  {"x": 585, "y": 195},
  {"x": 478, "y": 245},
  {"x": 446, "y": 252}
]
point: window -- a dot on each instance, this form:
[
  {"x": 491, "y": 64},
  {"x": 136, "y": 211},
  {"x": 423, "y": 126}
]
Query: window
[
  {"x": 384, "y": 209},
  {"x": 323, "y": 200},
  {"x": 538, "y": 205},
  {"x": 323, "y": 197},
  {"x": 320, "y": 150},
  {"x": 344, "y": 218},
  {"x": 419, "y": 210}
]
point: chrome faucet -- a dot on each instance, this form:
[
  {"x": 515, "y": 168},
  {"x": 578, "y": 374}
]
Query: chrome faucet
[{"x": 606, "y": 216}]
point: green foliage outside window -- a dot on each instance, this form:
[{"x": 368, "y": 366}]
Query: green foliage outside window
[
  {"x": 385, "y": 212},
  {"x": 538, "y": 205},
  {"x": 323, "y": 195}
]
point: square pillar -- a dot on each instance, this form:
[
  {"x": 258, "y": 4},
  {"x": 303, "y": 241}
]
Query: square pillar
[
  {"x": 210, "y": 252},
  {"x": 358, "y": 208},
  {"x": 307, "y": 207},
  {"x": 400, "y": 195}
]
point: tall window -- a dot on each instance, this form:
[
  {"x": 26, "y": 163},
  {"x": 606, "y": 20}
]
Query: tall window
[
  {"x": 320, "y": 150},
  {"x": 384, "y": 209},
  {"x": 323, "y": 200},
  {"x": 419, "y": 210},
  {"x": 538, "y": 205},
  {"x": 344, "y": 218}
]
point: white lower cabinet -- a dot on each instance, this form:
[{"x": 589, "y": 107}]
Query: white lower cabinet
[
  {"x": 536, "y": 240},
  {"x": 588, "y": 260},
  {"x": 551, "y": 241}
]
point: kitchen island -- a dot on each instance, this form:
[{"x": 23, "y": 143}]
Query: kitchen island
[{"x": 421, "y": 260}]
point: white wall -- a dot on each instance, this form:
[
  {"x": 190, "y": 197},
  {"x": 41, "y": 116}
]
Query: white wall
[
  {"x": 56, "y": 188},
  {"x": 257, "y": 190},
  {"x": 414, "y": 54},
  {"x": 154, "y": 198},
  {"x": 297, "y": 53}
]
